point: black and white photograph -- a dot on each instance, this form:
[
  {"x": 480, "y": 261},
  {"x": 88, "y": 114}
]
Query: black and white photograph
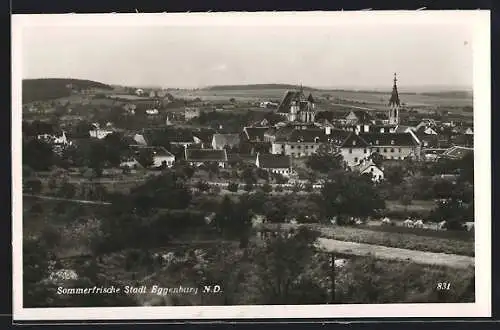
[{"x": 251, "y": 165}]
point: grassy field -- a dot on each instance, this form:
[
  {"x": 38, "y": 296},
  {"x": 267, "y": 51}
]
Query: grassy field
[
  {"x": 418, "y": 206},
  {"x": 370, "y": 98},
  {"x": 400, "y": 237}
]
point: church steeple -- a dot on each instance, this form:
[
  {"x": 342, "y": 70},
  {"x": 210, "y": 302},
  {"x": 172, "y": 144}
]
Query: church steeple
[
  {"x": 394, "y": 104},
  {"x": 394, "y": 101}
]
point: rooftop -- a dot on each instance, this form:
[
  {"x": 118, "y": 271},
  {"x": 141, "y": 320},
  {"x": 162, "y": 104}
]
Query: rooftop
[
  {"x": 206, "y": 155},
  {"x": 274, "y": 161}
]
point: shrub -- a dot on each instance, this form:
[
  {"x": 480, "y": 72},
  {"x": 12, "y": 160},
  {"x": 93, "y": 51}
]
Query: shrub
[
  {"x": 267, "y": 188},
  {"x": 248, "y": 187},
  {"x": 278, "y": 188},
  {"x": 233, "y": 186},
  {"x": 203, "y": 186}
]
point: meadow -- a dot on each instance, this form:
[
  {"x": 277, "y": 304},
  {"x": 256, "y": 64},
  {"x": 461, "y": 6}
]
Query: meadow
[{"x": 373, "y": 99}]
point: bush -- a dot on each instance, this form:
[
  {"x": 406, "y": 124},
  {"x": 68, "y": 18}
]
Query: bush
[
  {"x": 33, "y": 185},
  {"x": 233, "y": 186},
  {"x": 248, "y": 187},
  {"x": 203, "y": 186},
  {"x": 267, "y": 188},
  {"x": 278, "y": 188}
]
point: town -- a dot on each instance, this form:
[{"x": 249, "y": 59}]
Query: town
[{"x": 119, "y": 179}]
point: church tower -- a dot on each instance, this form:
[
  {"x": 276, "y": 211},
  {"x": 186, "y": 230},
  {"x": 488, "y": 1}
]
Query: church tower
[{"x": 394, "y": 104}]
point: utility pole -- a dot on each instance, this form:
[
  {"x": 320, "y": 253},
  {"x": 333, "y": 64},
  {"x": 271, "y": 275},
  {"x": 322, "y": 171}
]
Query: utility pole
[{"x": 332, "y": 276}]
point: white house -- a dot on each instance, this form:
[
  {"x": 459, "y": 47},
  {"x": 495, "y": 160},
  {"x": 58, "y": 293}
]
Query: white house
[
  {"x": 369, "y": 167},
  {"x": 389, "y": 145},
  {"x": 99, "y": 133},
  {"x": 160, "y": 155},
  {"x": 152, "y": 112},
  {"x": 198, "y": 157},
  {"x": 280, "y": 164},
  {"x": 139, "y": 92}
]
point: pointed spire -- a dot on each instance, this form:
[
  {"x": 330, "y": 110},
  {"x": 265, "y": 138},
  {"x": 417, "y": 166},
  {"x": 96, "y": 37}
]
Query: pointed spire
[{"x": 394, "y": 100}]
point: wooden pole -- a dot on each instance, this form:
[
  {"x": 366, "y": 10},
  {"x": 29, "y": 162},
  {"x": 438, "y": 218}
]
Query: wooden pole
[{"x": 332, "y": 274}]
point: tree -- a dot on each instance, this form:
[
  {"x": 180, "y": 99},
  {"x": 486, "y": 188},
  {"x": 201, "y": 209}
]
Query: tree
[
  {"x": 406, "y": 199},
  {"x": 395, "y": 175},
  {"x": 248, "y": 187},
  {"x": 233, "y": 187},
  {"x": 283, "y": 269},
  {"x": 115, "y": 148},
  {"x": 167, "y": 190},
  {"x": 145, "y": 158},
  {"x": 349, "y": 194},
  {"x": 325, "y": 159},
  {"x": 202, "y": 186},
  {"x": 96, "y": 156},
  {"x": 32, "y": 185},
  {"x": 38, "y": 154},
  {"x": 232, "y": 220},
  {"x": 267, "y": 188}
]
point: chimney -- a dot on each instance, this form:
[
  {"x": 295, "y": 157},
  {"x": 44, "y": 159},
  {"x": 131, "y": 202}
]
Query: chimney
[{"x": 328, "y": 130}]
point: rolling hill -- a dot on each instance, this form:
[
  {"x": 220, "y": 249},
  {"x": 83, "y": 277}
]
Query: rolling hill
[
  {"x": 53, "y": 88},
  {"x": 256, "y": 87}
]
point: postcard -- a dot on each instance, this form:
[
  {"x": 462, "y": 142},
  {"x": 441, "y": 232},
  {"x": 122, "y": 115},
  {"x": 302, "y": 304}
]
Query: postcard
[{"x": 216, "y": 166}]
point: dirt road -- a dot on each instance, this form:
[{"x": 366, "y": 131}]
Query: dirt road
[{"x": 383, "y": 252}]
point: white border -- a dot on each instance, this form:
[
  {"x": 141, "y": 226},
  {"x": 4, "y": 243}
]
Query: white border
[{"x": 480, "y": 22}]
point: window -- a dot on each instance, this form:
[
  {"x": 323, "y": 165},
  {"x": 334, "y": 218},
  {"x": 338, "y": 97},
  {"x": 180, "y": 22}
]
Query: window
[
  {"x": 298, "y": 147},
  {"x": 399, "y": 149},
  {"x": 376, "y": 141},
  {"x": 378, "y": 149},
  {"x": 293, "y": 154},
  {"x": 365, "y": 151},
  {"x": 292, "y": 147},
  {"x": 306, "y": 147},
  {"x": 354, "y": 142},
  {"x": 350, "y": 150},
  {"x": 392, "y": 142},
  {"x": 385, "y": 150},
  {"x": 355, "y": 159},
  {"x": 392, "y": 149}
]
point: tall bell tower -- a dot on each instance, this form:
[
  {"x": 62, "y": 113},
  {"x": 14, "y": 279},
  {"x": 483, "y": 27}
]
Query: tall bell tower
[{"x": 394, "y": 104}]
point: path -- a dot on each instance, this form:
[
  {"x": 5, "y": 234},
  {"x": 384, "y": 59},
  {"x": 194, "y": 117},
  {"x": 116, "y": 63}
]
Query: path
[
  {"x": 382, "y": 252},
  {"x": 80, "y": 201}
]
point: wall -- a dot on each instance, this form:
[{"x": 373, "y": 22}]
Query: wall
[{"x": 295, "y": 149}]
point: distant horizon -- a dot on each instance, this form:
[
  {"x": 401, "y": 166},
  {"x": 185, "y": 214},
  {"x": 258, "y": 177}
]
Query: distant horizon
[{"x": 402, "y": 89}]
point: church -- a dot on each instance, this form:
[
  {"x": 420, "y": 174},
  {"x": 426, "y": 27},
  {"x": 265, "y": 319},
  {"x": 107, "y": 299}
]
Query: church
[
  {"x": 296, "y": 107},
  {"x": 394, "y": 104}
]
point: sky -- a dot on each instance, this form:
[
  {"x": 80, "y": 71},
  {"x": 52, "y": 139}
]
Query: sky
[{"x": 340, "y": 56}]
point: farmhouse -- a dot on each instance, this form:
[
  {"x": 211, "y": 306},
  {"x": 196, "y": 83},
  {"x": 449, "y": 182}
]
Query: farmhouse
[
  {"x": 198, "y": 157},
  {"x": 388, "y": 145},
  {"x": 295, "y": 106},
  {"x": 280, "y": 164},
  {"x": 221, "y": 141},
  {"x": 99, "y": 133},
  {"x": 161, "y": 157},
  {"x": 457, "y": 152},
  {"x": 295, "y": 142},
  {"x": 370, "y": 168}
]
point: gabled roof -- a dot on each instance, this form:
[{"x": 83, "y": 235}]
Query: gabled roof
[
  {"x": 389, "y": 139},
  {"x": 205, "y": 135},
  {"x": 205, "y": 155},
  {"x": 156, "y": 150},
  {"x": 274, "y": 161},
  {"x": 362, "y": 115},
  {"x": 402, "y": 129},
  {"x": 457, "y": 152},
  {"x": 223, "y": 140},
  {"x": 354, "y": 141},
  {"x": 255, "y": 133},
  {"x": 290, "y": 134},
  {"x": 362, "y": 167},
  {"x": 290, "y": 96}
]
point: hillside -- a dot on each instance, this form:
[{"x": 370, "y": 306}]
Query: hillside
[
  {"x": 53, "y": 88},
  {"x": 256, "y": 87}
]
